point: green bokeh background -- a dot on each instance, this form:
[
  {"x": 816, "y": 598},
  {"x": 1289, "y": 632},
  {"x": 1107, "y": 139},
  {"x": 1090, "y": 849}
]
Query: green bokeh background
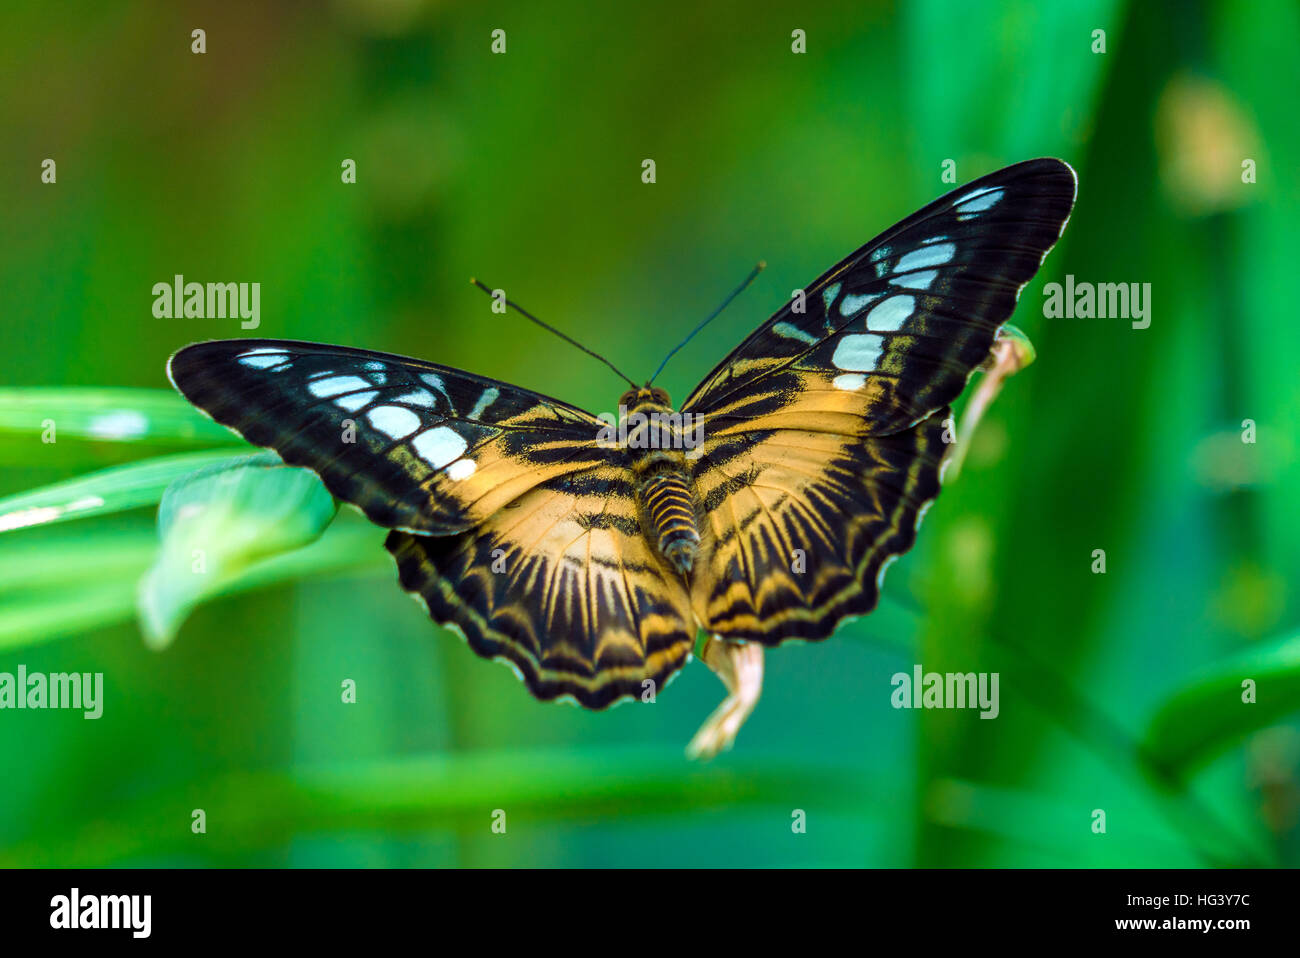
[{"x": 1120, "y": 692}]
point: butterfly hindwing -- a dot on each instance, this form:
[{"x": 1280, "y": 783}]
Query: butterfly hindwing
[
  {"x": 565, "y": 585},
  {"x": 823, "y": 430},
  {"x": 414, "y": 445},
  {"x": 799, "y": 527}
]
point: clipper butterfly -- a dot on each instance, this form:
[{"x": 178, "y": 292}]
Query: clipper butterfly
[{"x": 590, "y": 564}]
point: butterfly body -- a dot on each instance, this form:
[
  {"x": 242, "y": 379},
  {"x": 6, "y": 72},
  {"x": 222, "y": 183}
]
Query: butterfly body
[
  {"x": 655, "y": 441},
  {"x": 586, "y": 551}
]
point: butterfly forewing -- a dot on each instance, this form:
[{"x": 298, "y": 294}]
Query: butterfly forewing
[
  {"x": 892, "y": 332},
  {"x": 414, "y": 445}
]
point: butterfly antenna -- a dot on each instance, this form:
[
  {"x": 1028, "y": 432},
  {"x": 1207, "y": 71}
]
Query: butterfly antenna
[
  {"x": 568, "y": 339},
  {"x": 712, "y": 316}
]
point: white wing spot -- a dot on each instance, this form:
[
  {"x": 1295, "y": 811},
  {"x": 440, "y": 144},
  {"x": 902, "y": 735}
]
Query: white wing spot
[
  {"x": 791, "y": 331},
  {"x": 859, "y": 352},
  {"x": 890, "y": 315},
  {"x": 851, "y": 304},
  {"x": 829, "y": 294},
  {"x": 434, "y": 380},
  {"x": 334, "y": 385},
  {"x": 396, "y": 422},
  {"x": 916, "y": 280},
  {"x": 484, "y": 401},
  {"x": 980, "y": 200},
  {"x": 439, "y": 446},
  {"x": 417, "y": 397},
  {"x": 926, "y": 256},
  {"x": 354, "y": 401},
  {"x": 849, "y": 381},
  {"x": 462, "y": 469},
  {"x": 263, "y": 358}
]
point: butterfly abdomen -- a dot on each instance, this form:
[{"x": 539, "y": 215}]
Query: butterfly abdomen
[
  {"x": 656, "y": 443},
  {"x": 671, "y": 511}
]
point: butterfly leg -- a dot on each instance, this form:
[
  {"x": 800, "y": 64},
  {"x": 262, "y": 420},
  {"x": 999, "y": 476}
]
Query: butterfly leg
[
  {"x": 1012, "y": 351},
  {"x": 740, "y": 667}
]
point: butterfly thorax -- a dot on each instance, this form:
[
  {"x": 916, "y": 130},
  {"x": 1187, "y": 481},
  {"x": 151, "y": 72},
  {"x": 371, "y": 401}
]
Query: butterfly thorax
[{"x": 656, "y": 440}]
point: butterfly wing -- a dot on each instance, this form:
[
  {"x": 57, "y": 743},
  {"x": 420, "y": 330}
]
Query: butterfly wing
[
  {"x": 799, "y": 527},
  {"x": 414, "y": 445},
  {"x": 824, "y": 429},
  {"x": 511, "y": 520},
  {"x": 565, "y": 586}
]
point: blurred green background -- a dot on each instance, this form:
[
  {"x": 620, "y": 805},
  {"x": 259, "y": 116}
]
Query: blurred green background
[{"x": 1120, "y": 691}]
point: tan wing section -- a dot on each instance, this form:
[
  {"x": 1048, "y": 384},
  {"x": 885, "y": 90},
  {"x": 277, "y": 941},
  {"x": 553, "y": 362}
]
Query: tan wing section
[
  {"x": 798, "y": 526},
  {"x": 563, "y": 584}
]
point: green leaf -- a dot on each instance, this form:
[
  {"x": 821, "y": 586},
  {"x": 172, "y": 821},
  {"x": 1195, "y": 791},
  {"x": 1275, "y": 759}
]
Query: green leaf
[
  {"x": 1015, "y": 80},
  {"x": 215, "y": 523},
  {"x": 423, "y": 793},
  {"x": 107, "y": 414},
  {"x": 53, "y": 589},
  {"x": 35, "y": 617},
  {"x": 1047, "y": 825},
  {"x": 100, "y": 493},
  {"x": 1208, "y": 715}
]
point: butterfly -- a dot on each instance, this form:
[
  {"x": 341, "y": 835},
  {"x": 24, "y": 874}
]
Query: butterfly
[{"x": 587, "y": 552}]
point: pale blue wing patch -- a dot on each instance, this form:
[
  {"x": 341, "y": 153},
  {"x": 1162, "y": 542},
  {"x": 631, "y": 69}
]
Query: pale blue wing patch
[
  {"x": 852, "y": 304},
  {"x": 890, "y": 315},
  {"x": 791, "y": 331},
  {"x": 926, "y": 257},
  {"x": 265, "y": 359},
  {"x": 439, "y": 447},
  {"x": 351, "y": 402},
  {"x": 396, "y": 422},
  {"x": 484, "y": 402},
  {"x": 332, "y": 386},
  {"x": 858, "y": 352},
  {"x": 977, "y": 201}
]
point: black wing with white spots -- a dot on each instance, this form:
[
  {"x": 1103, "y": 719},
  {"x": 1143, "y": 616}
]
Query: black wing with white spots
[
  {"x": 416, "y": 446},
  {"x": 891, "y": 333}
]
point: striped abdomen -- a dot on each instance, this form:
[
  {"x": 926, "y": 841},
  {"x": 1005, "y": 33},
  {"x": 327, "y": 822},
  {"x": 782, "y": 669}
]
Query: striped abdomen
[
  {"x": 655, "y": 441},
  {"x": 671, "y": 511}
]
